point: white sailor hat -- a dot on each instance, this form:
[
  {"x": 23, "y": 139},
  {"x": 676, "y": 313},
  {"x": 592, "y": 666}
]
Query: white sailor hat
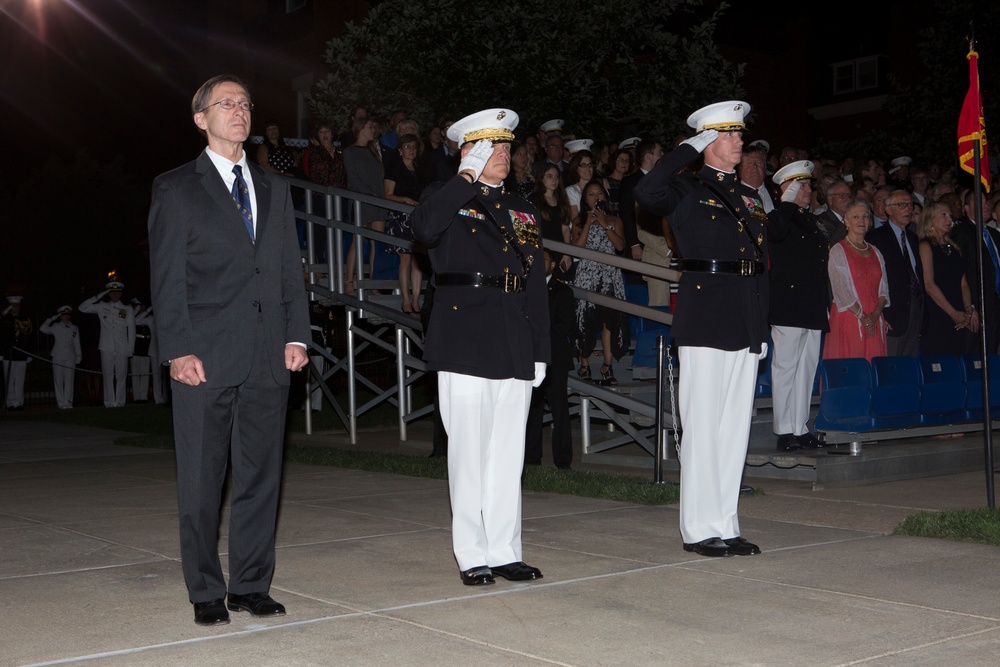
[
  {"x": 796, "y": 171},
  {"x": 554, "y": 125},
  {"x": 114, "y": 285},
  {"x": 64, "y": 310},
  {"x": 14, "y": 299},
  {"x": 904, "y": 161},
  {"x": 721, "y": 116},
  {"x": 763, "y": 144},
  {"x": 631, "y": 142},
  {"x": 497, "y": 125},
  {"x": 578, "y": 145}
]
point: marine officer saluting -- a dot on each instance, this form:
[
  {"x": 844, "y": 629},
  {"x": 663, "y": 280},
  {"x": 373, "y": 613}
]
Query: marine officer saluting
[
  {"x": 488, "y": 339},
  {"x": 720, "y": 323}
]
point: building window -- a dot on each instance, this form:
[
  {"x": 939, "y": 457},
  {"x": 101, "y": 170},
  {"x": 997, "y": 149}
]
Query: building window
[
  {"x": 294, "y": 5},
  {"x": 855, "y": 75}
]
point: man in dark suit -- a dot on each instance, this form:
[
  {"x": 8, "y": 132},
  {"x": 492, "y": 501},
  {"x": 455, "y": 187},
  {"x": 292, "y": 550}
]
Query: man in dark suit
[
  {"x": 488, "y": 340},
  {"x": 964, "y": 234},
  {"x": 562, "y": 315},
  {"x": 232, "y": 322},
  {"x": 720, "y": 323},
  {"x": 831, "y": 221},
  {"x": 799, "y": 305},
  {"x": 904, "y": 273}
]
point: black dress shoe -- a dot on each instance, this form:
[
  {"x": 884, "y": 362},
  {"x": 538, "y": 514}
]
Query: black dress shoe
[
  {"x": 809, "y": 441},
  {"x": 478, "y": 576},
  {"x": 258, "y": 604},
  {"x": 436, "y": 454},
  {"x": 740, "y": 547},
  {"x": 714, "y": 547},
  {"x": 518, "y": 571},
  {"x": 212, "y": 612},
  {"x": 787, "y": 443}
]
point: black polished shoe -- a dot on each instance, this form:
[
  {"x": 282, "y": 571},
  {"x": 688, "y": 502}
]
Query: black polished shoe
[
  {"x": 713, "y": 547},
  {"x": 478, "y": 576},
  {"x": 212, "y": 612},
  {"x": 740, "y": 547},
  {"x": 809, "y": 441},
  {"x": 787, "y": 443},
  {"x": 258, "y": 604},
  {"x": 518, "y": 571},
  {"x": 437, "y": 454}
]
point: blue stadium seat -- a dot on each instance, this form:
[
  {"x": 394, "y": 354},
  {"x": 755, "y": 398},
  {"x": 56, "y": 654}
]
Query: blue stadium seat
[
  {"x": 974, "y": 386},
  {"x": 763, "y": 387},
  {"x": 846, "y": 396},
  {"x": 943, "y": 390},
  {"x": 895, "y": 392}
]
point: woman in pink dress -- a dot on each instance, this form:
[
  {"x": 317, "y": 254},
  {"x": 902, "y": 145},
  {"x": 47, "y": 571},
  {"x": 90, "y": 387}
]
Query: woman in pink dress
[{"x": 860, "y": 291}]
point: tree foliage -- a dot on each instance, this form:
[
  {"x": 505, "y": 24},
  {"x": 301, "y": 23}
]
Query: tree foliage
[
  {"x": 929, "y": 110},
  {"x": 609, "y": 68}
]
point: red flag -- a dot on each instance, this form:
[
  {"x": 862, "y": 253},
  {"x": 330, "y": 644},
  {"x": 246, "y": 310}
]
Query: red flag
[{"x": 972, "y": 126}]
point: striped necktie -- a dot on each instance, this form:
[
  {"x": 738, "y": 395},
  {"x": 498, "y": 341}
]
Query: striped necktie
[{"x": 241, "y": 195}]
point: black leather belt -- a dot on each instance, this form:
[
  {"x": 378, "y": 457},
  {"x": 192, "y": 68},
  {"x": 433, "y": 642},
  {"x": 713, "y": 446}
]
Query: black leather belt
[
  {"x": 737, "y": 267},
  {"x": 508, "y": 282}
]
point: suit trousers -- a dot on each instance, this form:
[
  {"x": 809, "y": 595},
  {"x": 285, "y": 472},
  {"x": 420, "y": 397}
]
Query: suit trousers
[
  {"x": 485, "y": 420},
  {"x": 793, "y": 371},
  {"x": 716, "y": 394},
  {"x": 246, "y": 422},
  {"x": 554, "y": 390},
  {"x": 140, "y": 378},
  {"x": 13, "y": 373},
  {"x": 908, "y": 344},
  {"x": 114, "y": 368},
  {"x": 64, "y": 382},
  {"x": 656, "y": 251}
]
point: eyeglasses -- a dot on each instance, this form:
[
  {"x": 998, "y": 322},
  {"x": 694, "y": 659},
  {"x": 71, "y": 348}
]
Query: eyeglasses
[
  {"x": 903, "y": 205},
  {"x": 229, "y": 105},
  {"x": 586, "y": 165}
]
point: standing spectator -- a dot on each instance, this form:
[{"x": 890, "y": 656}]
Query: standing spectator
[
  {"x": 66, "y": 354},
  {"x": 950, "y": 313},
  {"x": 554, "y": 388},
  {"x": 921, "y": 182},
  {"x": 555, "y": 221},
  {"x": 720, "y": 324},
  {"x": 879, "y": 199},
  {"x": 404, "y": 183},
  {"x": 860, "y": 292},
  {"x": 905, "y": 273},
  {"x": 274, "y": 154},
  {"x": 964, "y": 233},
  {"x": 326, "y": 165},
  {"x": 595, "y": 229},
  {"x": 231, "y": 319},
  {"x": 619, "y": 167},
  {"x": 648, "y": 153},
  {"x": 390, "y": 140},
  {"x": 117, "y": 340},
  {"x": 554, "y": 150},
  {"x": 364, "y": 175},
  {"x": 488, "y": 340},
  {"x": 800, "y": 297},
  {"x": 15, "y": 332},
  {"x": 347, "y": 138},
  {"x": 520, "y": 180},
  {"x": 753, "y": 173},
  {"x": 141, "y": 361},
  {"x": 831, "y": 220},
  {"x": 578, "y": 174}
]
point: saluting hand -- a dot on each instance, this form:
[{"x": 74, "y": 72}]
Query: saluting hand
[
  {"x": 702, "y": 140},
  {"x": 475, "y": 160}
]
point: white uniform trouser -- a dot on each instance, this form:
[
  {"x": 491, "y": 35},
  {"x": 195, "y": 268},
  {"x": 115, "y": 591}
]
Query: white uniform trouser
[
  {"x": 793, "y": 371},
  {"x": 114, "y": 367},
  {"x": 63, "y": 380},
  {"x": 485, "y": 420},
  {"x": 13, "y": 372},
  {"x": 715, "y": 401},
  {"x": 140, "y": 378}
]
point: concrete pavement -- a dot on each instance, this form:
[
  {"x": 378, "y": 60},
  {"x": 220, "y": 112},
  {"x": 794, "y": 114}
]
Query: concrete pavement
[{"x": 89, "y": 574}]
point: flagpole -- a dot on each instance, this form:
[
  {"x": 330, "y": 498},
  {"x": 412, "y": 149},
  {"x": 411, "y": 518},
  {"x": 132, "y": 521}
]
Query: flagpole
[{"x": 987, "y": 418}]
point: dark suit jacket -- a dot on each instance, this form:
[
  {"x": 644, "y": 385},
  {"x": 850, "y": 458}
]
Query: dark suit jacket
[
  {"x": 800, "y": 284},
  {"x": 897, "y": 274},
  {"x": 834, "y": 229},
  {"x": 211, "y": 283},
  {"x": 562, "y": 315},
  {"x": 627, "y": 209}
]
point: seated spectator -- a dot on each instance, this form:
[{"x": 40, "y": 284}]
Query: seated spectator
[
  {"x": 949, "y": 314},
  {"x": 860, "y": 292},
  {"x": 596, "y": 230}
]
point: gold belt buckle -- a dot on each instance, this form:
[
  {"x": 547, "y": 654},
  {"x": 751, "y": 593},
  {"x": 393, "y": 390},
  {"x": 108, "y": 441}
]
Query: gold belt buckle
[
  {"x": 511, "y": 283},
  {"x": 747, "y": 268}
]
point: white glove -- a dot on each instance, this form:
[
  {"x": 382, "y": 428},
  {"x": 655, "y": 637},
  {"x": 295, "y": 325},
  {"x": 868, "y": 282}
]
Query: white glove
[
  {"x": 539, "y": 374},
  {"x": 476, "y": 159},
  {"x": 792, "y": 192},
  {"x": 701, "y": 140}
]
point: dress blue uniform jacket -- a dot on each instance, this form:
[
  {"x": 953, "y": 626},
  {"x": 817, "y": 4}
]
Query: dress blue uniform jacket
[
  {"x": 800, "y": 282},
  {"x": 722, "y": 311},
  {"x": 482, "y": 331}
]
